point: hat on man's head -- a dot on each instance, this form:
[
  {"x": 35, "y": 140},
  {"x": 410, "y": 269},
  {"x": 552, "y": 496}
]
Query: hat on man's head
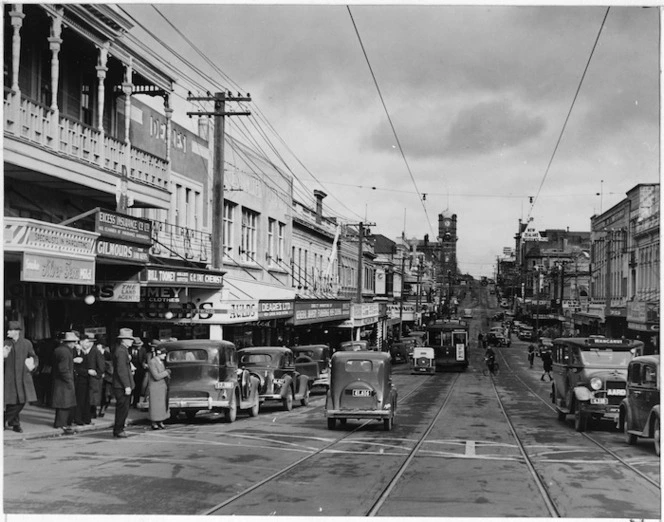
[
  {"x": 70, "y": 337},
  {"x": 138, "y": 342},
  {"x": 126, "y": 333},
  {"x": 88, "y": 337},
  {"x": 14, "y": 325}
]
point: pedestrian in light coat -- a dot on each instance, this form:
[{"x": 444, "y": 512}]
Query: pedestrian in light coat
[
  {"x": 64, "y": 395},
  {"x": 158, "y": 382},
  {"x": 20, "y": 360},
  {"x": 96, "y": 368},
  {"x": 123, "y": 380}
]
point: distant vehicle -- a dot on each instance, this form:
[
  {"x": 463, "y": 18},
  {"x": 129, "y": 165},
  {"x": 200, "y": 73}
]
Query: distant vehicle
[
  {"x": 639, "y": 410},
  {"x": 467, "y": 313},
  {"x": 205, "y": 377},
  {"x": 589, "y": 377},
  {"x": 504, "y": 303},
  {"x": 525, "y": 332},
  {"x": 319, "y": 373},
  {"x": 402, "y": 349},
  {"x": 354, "y": 346},
  {"x": 449, "y": 339},
  {"x": 279, "y": 374},
  {"x": 361, "y": 388},
  {"x": 544, "y": 344},
  {"x": 423, "y": 360},
  {"x": 496, "y": 337}
]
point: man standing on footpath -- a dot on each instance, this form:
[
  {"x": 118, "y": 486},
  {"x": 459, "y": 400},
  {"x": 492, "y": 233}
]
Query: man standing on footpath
[
  {"x": 123, "y": 380},
  {"x": 82, "y": 381},
  {"x": 64, "y": 395},
  {"x": 20, "y": 362}
]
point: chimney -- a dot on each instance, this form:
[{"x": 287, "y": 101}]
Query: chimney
[{"x": 320, "y": 196}]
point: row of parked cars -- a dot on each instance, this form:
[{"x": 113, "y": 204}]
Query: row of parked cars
[{"x": 214, "y": 376}]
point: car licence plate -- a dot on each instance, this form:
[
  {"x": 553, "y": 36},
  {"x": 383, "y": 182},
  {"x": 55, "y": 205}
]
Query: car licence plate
[
  {"x": 361, "y": 393},
  {"x": 222, "y": 385},
  {"x": 600, "y": 400}
]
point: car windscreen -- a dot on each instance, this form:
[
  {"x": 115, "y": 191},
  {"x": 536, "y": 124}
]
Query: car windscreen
[
  {"x": 187, "y": 355},
  {"x": 256, "y": 359},
  {"x": 359, "y": 366},
  {"x": 606, "y": 358},
  {"x": 305, "y": 353}
]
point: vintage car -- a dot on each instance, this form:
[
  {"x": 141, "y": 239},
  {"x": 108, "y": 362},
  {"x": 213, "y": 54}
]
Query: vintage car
[
  {"x": 545, "y": 344},
  {"x": 401, "y": 350},
  {"x": 205, "y": 377},
  {"x": 496, "y": 337},
  {"x": 639, "y": 410},
  {"x": 424, "y": 360},
  {"x": 319, "y": 372},
  {"x": 525, "y": 332},
  {"x": 354, "y": 346},
  {"x": 280, "y": 379},
  {"x": 361, "y": 388},
  {"x": 589, "y": 377}
]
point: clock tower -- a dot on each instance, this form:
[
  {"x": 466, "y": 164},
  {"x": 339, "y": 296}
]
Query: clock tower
[{"x": 447, "y": 236}]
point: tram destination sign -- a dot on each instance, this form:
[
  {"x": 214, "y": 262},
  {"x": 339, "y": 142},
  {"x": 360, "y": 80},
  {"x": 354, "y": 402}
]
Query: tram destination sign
[{"x": 120, "y": 226}]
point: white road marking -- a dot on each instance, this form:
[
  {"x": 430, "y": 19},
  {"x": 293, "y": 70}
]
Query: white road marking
[{"x": 470, "y": 448}]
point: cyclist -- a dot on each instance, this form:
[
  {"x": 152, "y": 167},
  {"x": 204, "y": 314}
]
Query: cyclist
[{"x": 490, "y": 358}]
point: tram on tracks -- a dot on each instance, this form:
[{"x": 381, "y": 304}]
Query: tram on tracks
[{"x": 449, "y": 339}]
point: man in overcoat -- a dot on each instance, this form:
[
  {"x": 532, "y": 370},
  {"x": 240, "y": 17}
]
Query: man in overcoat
[
  {"x": 123, "y": 380},
  {"x": 82, "y": 381},
  {"x": 20, "y": 361},
  {"x": 64, "y": 395},
  {"x": 139, "y": 359},
  {"x": 96, "y": 367}
]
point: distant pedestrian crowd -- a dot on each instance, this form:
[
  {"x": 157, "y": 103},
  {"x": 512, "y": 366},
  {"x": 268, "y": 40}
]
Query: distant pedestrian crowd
[{"x": 81, "y": 376}]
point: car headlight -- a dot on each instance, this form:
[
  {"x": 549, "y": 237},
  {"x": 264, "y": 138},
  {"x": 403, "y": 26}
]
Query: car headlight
[{"x": 596, "y": 383}]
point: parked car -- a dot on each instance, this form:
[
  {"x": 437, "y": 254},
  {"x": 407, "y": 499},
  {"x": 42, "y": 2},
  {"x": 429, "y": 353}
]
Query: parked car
[
  {"x": 401, "y": 350},
  {"x": 354, "y": 346},
  {"x": 280, "y": 377},
  {"x": 499, "y": 316},
  {"x": 423, "y": 360},
  {"x": 417, "y": 336},
  {"x": 319, "y": 373},
  {"x": 497, "y": 338},
  {"x": 639, "y": 410},
  {"x": 205, "y": 377},
  {"x": 361, "y": 388},
  {"x": 589, "y": 377}
]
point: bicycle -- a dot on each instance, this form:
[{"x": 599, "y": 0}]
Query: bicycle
[{"x": 490, "y": 368}]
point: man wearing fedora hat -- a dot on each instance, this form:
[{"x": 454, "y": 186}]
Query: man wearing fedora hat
[
  {"x": 20, "y": 361},
  {"x": 123, "y": 381},
  {"x": 64, "y": 394}
]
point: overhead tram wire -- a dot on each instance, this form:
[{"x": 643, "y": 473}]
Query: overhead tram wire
[
  {"x": 389, "y": 118},
  {"x": 256, "y": 109},
  {"x": 569, "y": 113}
]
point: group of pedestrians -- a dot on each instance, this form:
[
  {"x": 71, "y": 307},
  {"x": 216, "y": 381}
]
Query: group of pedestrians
[
  {"x": 86, "y": 375},
  {"x": 547, "y": 361}
]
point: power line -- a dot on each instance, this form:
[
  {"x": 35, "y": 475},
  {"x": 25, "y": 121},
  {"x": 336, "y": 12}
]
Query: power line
[
  {"x": 389, "y": 118},
  {"x": 569, "y": 113}
]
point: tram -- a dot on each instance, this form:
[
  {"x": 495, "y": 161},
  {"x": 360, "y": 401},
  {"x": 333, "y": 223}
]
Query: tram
[{"x": 449, "y": 340}]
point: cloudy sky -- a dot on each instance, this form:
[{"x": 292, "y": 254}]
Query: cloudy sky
[{"x": 477, "y": 95}]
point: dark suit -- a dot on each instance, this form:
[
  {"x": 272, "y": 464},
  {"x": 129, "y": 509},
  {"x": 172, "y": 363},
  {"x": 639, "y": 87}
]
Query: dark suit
[
  {"x": 139, "y": 360},
  {"x": 122, "y": 378},
  {"x": 64, "y": 395},
  {"x": 96, "y": 363},
  {"x": 82, "y": 388},
  {"x": 18, "y": 386}
]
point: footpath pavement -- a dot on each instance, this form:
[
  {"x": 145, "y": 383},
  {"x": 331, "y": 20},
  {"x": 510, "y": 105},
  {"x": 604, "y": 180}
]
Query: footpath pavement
[{"x": 37, "y": 423}]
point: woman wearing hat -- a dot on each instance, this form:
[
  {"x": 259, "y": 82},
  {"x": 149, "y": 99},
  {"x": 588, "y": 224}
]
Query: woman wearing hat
[
  {"x": 64, "y": 394},
  {"x": 158, "y": 377}
]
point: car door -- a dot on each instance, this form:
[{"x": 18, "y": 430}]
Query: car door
[{"x": 649, "y": 396}]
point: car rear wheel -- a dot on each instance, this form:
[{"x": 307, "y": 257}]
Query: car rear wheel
[
  {"x": 305, "y": 399},
  {"x": 387, "y": 423},
  {"x": 288, "y": 400},
  {"x": 656, "y": 436},
  {"x": 230, "y": 414},
  {"x": 580, "y": 420},
  {"x": 253, "y": 411},
  {"x": 331, "y": 423},
  {"x": 630, "y": 438}
]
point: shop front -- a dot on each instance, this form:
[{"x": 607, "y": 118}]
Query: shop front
[
  {"x": 363, "y": 323},
  {"x": 316, "y": 321},
  {"x": 589, "y": 322},
  {"x": 643, "y": 324},
  {"x": 271, "y": 328}
]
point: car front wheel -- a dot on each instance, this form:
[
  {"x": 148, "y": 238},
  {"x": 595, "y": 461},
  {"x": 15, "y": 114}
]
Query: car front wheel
[
  {"x": 253, "y": 411},
  {"x": 230, "y": 414},
  {"x": 288, "y": 400},
  {"x": 580, "y": 420},
  {"x": 656, "y": 436},
  {"x": 629, "y": 437},
  {"x": 387, "y": 423}
]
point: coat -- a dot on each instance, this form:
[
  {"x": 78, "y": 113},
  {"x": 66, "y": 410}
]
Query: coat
[
  {"x": 122, "y": 377},
  {"x": 96, "y": 362},
  {"x": 158, "y": 390},
  {"x": 64, "y": 395},
  {"x": 19, "y": 387}
]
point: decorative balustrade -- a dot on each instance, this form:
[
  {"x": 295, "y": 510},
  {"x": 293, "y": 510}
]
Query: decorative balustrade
[
  {"x": 79, "y": 141},
  {"x": 180, "y": 242}
]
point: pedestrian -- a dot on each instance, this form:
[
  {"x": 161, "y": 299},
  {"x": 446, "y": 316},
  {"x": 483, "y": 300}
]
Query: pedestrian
[
  {"x": 20, "y": 360},
  {"x": 547, "y": 364},
  {"x": 139, "y": 361},
  {"x": 123, "y": 380},
  {"x": 96, "y": 368},
  {"x": 82, "y": 381},
  {"x": 107, "y": 380},
  {"x": 158, "y": 380},
  {"x": 480, "y": 340},
  {"x": 64, "y": 394},
  {"x": 531, "y": 354}
]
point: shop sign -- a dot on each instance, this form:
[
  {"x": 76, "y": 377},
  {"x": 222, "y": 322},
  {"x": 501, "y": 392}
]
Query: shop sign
[
  {"x": 29, "y": 234},
  {"x": 309, "y": 312},
  {"x": 190, "y": 312},
  {"x": 365, "y": 311},
  {"x": 123, "y": 292},
  {"x": 642, "y": 327},
  {"x": 163, "y": 294},
  {"x": 117, "y": 291},
  {"x": 116, "y": 250},
  {"x": 617, "y": 312},
  {"x": 397, "y": 310},
  {"x": 274, "y": 309},
  {"x": 120, "y": 226},
  {"x": 52, "y": 269},
  {"x": 163, "y": 276}
]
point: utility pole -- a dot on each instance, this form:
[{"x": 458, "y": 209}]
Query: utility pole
[
  {"x": 403, "y": 267},
  {"x": 360, "y": 254},
  {"x": 219, "y": 113}
]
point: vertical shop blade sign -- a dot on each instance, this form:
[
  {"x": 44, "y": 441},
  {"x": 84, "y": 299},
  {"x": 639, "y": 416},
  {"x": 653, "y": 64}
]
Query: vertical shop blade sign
[{"x": 122, "y": 194}]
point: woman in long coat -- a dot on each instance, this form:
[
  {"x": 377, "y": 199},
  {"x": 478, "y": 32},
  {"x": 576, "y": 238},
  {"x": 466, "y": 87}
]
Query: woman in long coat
[
  {"x": 158, "y": 390},
  {"x": 64, "y": 396}
]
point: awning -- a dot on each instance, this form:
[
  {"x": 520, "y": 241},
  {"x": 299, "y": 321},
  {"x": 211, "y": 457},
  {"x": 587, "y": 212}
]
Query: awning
[
  {"x": 586, "y": 318},
  {"x": 244, "y": 289}
]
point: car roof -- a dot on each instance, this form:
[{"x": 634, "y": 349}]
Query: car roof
[
  {"x": 308, "y": 347},
  {"x": 265, "y": 349},
  {"x": 364, "y": 355},
  {"x": 646, "y": 359},
  {"x": 599, "y": 342},
  {"x": 191, "y": 344}
]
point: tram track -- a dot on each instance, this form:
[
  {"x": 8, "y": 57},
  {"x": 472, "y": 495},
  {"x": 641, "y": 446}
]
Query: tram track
[
  {"x": 328, "y": 447},
  {"x": 506, "y": 366}
]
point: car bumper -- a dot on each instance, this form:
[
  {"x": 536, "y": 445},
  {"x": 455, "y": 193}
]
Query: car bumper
[
  {"x": 606, "y": 412},
  {"x": 423, "y": 369},
  {"x": 197, "y": 403},
  {"x": 271, "y": 397},
  {"x": 358, "y": 414}
]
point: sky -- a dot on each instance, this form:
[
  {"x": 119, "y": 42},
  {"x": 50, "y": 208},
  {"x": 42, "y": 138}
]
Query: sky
[{"x": 471, "y": 110}]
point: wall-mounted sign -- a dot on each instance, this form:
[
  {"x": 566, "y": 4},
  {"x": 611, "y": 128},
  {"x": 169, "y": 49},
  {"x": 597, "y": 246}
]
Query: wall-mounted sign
[
  {"x": 169, "y": 276},
  {"x": 120, "y": 226},
  {"x": 55, "y": 269},
  {"x": 274, "y": 309},
  {"x": 116, "y": 250},
  {"x": 23, "y": 234},
  {"x": 319, "y": 311}
]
